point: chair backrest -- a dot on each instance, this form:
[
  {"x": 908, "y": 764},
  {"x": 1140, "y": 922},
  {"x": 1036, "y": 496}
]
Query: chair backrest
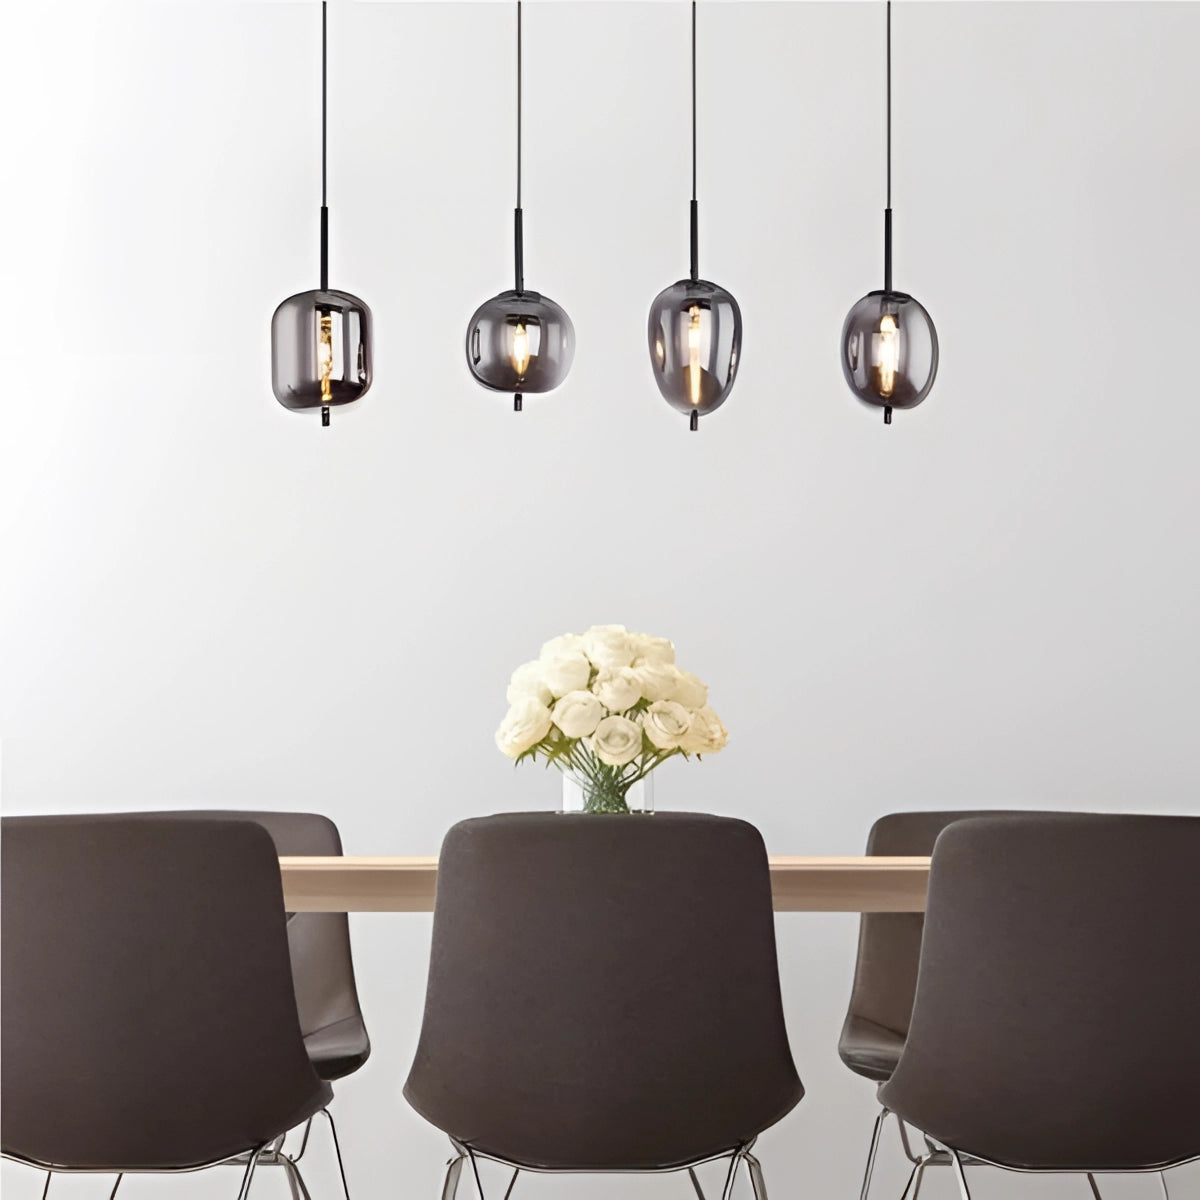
[
  {"x": 148, "y": 1016},
  {"x": 1055, "y": 1023},
  {"x": 603, "y": 991},
  {"x": 889, "y": 944},
  {"x": 322, "y": 962}
]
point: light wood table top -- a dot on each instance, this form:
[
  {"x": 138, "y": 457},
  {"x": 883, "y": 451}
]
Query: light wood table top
[{"x": 798, "y": 884}]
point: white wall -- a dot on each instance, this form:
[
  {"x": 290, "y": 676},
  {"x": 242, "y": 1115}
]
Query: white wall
[{"x": 206, "y": 600}]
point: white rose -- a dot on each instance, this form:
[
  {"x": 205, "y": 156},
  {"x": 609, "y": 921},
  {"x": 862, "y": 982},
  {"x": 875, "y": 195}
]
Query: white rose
[
  {"x": 527, "y": 722},
  {"x": 691, "y": 692},
  {"x": 650, "y": 649},
  {"x": 566, "y": 673},
  {"x": 608, "y": 646},
  {"x": 527, "y": 681},
  {"x": 578, "y": 713},
  {"x": 617, "y": 690},
  {"x": 706, "y": 734},
  {"x": 656, "y": 680},
  {"x": 666, "y": 723},
  {"x": 617, "y": 741},
  {"x": 567, "y": 643}
]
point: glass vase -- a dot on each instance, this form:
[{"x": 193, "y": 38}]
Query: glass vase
[{"x": 584, "y": 794}]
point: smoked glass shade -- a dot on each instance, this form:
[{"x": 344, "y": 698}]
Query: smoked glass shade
[
  {"x": 695, "y": 334},
  {"x": 520, "y": 342},
  {"x": 320, "y": 349},
  {"x": 889, "y": 350}
]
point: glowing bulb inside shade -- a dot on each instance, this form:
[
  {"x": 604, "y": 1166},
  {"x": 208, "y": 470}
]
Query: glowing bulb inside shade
[
  {"x": 887, "y": 354},
  {"x": 693, "y": 341},
  {"x": 520, "y": 349},
  {"x": 325, "y": 355}
]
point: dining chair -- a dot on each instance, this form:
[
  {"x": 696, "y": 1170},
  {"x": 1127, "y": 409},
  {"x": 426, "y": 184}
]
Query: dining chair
[
  {"x": 1054, "y": 1023},
  {"x": 603, "y": 996},
  {"x": 148, "y": 1015},
  {"x": 335, "y": 1034},
  {"x": 885, "y": 973}
]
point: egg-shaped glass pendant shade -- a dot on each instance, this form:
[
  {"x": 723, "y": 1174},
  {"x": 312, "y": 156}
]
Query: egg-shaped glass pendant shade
[
  {"x": 520, "y": 342},
  {"x": 889, "y": 350},
  {"x": 320, "y": 349},
  {"x": 695, "y": 335}
]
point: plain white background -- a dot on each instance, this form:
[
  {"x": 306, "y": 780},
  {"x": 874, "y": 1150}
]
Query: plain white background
[{"x": 207, "y": 600}]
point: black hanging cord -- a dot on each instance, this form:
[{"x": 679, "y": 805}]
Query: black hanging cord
[
  {"x": 518, "y": 215},
  {"x": 695, "y": 213},
  {"x": 887, "y": 212},
  {"x": 324, "y": 154}
]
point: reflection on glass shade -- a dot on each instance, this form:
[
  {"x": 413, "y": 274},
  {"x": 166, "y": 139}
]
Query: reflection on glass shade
[
  {"x": 889, "y": 350},
  {"x": 520, "y": 342},
  {"x": 320, "y": 349},
  {"x": 695, "y": 333}
]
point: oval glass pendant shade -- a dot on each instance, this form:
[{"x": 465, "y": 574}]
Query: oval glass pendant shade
[
  {"x": 520, "y": 342},
  {"x": 889, "y": 351},
  {"x": 320, "y": 349},
  {"x": 695, "y": 336}
]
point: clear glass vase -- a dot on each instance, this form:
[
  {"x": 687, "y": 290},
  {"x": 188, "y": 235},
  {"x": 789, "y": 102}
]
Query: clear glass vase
[{"x": 583, "y": 794}]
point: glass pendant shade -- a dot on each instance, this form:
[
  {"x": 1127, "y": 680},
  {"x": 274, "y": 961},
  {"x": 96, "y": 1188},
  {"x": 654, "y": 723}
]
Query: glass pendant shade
[
  {"x": 889, "y": 350},
  {"x": 520, "y": 342},
  {"x": 695, "y": 335},
  {"x": 320, "y": 349}
]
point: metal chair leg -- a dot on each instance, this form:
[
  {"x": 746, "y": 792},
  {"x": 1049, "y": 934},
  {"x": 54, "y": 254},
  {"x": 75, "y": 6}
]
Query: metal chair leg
[
  {"x": 475, "y": 1170},
  {"x": 46, "y": 1186},
  {"x": 303, "y": 1141},
  {"x": 727, "y": 1190},
  {"x": 511, "y": 1183},
  {"x": 1162, "y": 1179},
  {"x": 756, "y": 1176},
  {"x": 337, "y": 1149},
  {"x": 1093, "y": 1185},
  {"x": 695, "y": 1184},
  {"x": 248, "y": 1176},
  {"x": 295, "y": 1179},
  {"x": 962, "y": 1175},
  {"x": 875, "y": 1133},
  {"x": 116, "y": 1184},
  {"x": 453, "y": 1172}
]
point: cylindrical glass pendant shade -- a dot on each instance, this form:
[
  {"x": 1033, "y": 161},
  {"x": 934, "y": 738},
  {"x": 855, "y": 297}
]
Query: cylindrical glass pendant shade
[
  {"x": 520, "y": 342},
  {"x": 320, "y": 349},
  {"x": 889, "y": 350},
  {"x": 695, "y": 333}
]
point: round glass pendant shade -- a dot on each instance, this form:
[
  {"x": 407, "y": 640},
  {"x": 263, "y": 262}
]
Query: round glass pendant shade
[
  {"x": 695, "y": 334},
  {"x": 320, "y": 349},
  {"x": 520, "y": 342},
  {"x": 889, "y": 350}
]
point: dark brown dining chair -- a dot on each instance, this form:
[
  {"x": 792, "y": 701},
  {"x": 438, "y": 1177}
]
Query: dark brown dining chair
[
  {"x": 1054, "y": 1025},
  {"x": 148, "y": 1015},
  {"x": 603, "y": 996},
  {"x": 885, "y": 976},
  {"x": 335, "y": 1034}
]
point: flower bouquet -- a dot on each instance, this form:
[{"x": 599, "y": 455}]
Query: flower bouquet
[{"x": 606, "y": 707}]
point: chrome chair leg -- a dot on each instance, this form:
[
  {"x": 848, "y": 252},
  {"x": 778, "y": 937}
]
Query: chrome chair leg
[
  {"x": 248, "y": 1175},
  {"x": 731, "y": 1175},
  {"x": 691, "y": 1175},
  {"x": 337, "y": 1149},
  {"x": 875, "y": 1134},
  {"x": 908, "y": 1150},
  {"x": 116, "y": 1184},
  {"x": 304, "y": 1140},
  {"x": 295, "y": 1180},
  {"x": 1094, "y": 1186},
  {"x": 756, "y": 1176},
  {"x": 912, "y": 1188},
  {"x": 962, "y": 1175},
  {"x": 1162, "y": 1179},
  {"x": 453, "y": 1172},
  {"x": 46, "y": 1186},
  {"x": 511, "y": 1183}
]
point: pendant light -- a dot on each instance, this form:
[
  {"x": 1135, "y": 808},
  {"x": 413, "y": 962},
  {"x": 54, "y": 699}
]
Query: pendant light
[
  {"x": 695, "y": 326},
  {"x": 889, "y": 344},
  {"x": 520, "y": 341},
  {"x": 321, "y": 340}
]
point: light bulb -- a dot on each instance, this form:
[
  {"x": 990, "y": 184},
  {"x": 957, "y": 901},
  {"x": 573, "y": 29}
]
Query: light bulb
[
  {"x": 325, "y": 355},
  {"x": 693, "y": 341},
  {"x": 520, "y": 349},
  {"x": 886, "y": 348}
]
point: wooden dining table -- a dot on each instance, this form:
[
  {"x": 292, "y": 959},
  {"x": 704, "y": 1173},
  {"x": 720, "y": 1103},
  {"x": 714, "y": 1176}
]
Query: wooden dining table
[{"x": 798, "y": 884}]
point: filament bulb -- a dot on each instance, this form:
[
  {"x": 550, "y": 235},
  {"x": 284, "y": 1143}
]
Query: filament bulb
[
  {"x": 520, "y": 349},
  {"x": 693, "y": 341},
  {"x": 325, "y": 355},
  {"x": 887, "y": 354}
]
